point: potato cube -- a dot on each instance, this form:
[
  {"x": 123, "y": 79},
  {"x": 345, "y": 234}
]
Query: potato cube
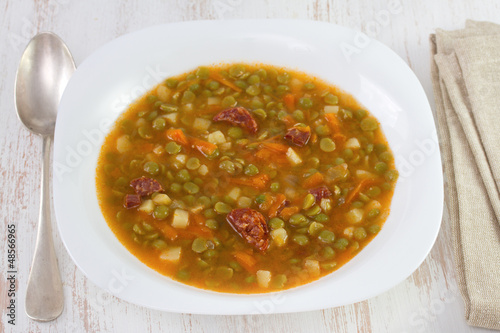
[{"x": 180, "y": 219}]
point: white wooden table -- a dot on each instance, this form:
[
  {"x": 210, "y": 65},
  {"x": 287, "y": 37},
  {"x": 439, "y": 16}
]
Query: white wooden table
[{"x": 428, "y": 301}]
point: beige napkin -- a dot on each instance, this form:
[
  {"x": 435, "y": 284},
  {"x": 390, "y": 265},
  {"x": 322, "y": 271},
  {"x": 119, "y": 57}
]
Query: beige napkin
[{"x": 466, "y": 80}]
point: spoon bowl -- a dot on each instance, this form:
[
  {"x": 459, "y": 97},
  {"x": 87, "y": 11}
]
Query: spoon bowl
[{"x": 44, "y": 71}]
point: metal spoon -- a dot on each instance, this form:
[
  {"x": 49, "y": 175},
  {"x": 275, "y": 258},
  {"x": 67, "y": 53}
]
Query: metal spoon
[{"x": 44, "y": 71}]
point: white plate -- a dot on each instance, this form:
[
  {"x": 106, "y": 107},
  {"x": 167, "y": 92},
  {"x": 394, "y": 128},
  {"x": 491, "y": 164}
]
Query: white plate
[{"x": 128, "y": 66}]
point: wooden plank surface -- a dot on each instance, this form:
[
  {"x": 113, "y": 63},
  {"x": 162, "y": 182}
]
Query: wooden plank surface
[{"x": 428, "y": 301}]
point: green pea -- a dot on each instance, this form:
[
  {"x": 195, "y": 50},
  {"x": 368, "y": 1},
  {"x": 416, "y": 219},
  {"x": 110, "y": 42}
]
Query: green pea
[
  {"x": 309, "y": 86},
  {"x": 152, "y": 168},
  {"x": 348, "y": 154},
  {"x": 228, "y": 101},
  {"x": 369, "y": 124},
  {"x": 315, "y": 210},
  {"x": 276, "y": 223},
  {"x": 212, "y": 224},
  {"x": 321, "y": 218},
  {"x": 300, "y": 239},
  {"x": 331, "y": 99},
  {"x": 360, "y": 114},
  {"x": 161, "y": 212},
  {"x": 169, "y": 108},
  {"x": 328, "y": 266},
  {"x": 305, "y": 102},
  {"x": 253, "y": 79},
  {"x": 341, "y": 244},
  {"x": 359, "y": 233},
  {"x": 283, "y": 78},
  {"x": 374, "y": 228},
  {"x": 251, "y": 170},
  {"x": 323, "y": 130},
  {"x": 235, "y": 132},
  {"x": 373, "y": 213},
  {"x": 262, "y": 73},
  {"x": 144, "y": 132},
  {"x": 227, "y": 166},
  {"x": 327, "y": 145},
  {"x": 224, "y": 273},
  {"x": 194, "y": 87},
  {"x": 373, "y": 191},
  {"x": 327, "y": 252},
  {"x": 175, "y": 187},
  {"x": 391, "y": 175},
  {"x": 213, "y": 85},
  {"x": 199, "y": 245},
  {"x": 171, "y": 83},
  {"x": 183, "y": 274},
  {"x": 260, "y": 113},
  {"x": 339, "y": 161},
  {"x": 279, "y": 281},
  {"x": 172, "y": 148},
  {"x": 314, "y": 228},
  {"x": 274, "y": 187},
  {"x": 188, "y": 97},
  {"x": 183, "y": 176},
  {"x": 191, "y": 188},
  {"x": 202, "y": 73},
  {"x": 253, "y": 90},
  {"x": 159, "y": 124},
  {"x": 222, "y": 208},
  {"x": 297, "y": 219},
  {"x": 159, "y": 244},
  {"x": 257, "y": 104},
  {"x": 209, "y": 213},
  {"x": 260, "y": 198},
  {"x": 326, "y": 236},
  {"x": 137, "y": 229},
  {"x": 381, "y": 167},
  {"x": 309, "y": 201},
  {"x": 236, "y": 70},
  {"x": 385, "y": 156},
  {"x": 193, "y": 163}
]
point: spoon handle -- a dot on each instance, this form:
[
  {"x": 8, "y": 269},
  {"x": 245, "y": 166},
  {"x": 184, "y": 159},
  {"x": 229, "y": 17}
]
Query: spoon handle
[{"x": 44, "y": 294}]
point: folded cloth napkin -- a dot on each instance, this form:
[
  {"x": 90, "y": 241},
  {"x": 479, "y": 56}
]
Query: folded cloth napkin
[{"x": 466, "y": 80}]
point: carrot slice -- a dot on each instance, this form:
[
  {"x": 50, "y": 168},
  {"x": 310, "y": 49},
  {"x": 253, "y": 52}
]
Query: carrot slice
[
  {"x": 277, "y": 147},
  {"x": 166, "y": 230},
  {"x": 333, "y": 122},
  {"x": 278, "y": 203},
  {"x": 246, "y": 261},
  {"x": 217, "y": 77},
  {"x": 204, "y": 147},
  {"x": 289, "y": 121},
  {"x": 177, "y": 135},
  {"x": 313, "y": 180},
  {"x": 258, "y": 182},
  {"x": 289, "y": 100},
  {"x": 362, "y": 184},
  {"x": 198, "y": 219},
  {"x": 287, "y": 212},
  {"x": 195, "y": 231}
]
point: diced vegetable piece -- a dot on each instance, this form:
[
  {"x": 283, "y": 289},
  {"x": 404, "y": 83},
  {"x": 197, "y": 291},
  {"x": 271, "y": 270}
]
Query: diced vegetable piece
[
  {"x": 234, "y": 194},
  {"x": 181, "y": 158},
  {"x": 163, "y": 93},
  {"x": 352, "y": 143},
  {"x": 247, "y": 261},
  {"x": 147, "y": 206},
  {"x": 354, "y": 216},
  {"x": 216, "y": 137},
  {"x": 172, "y": 254},
  {"x": 201, "y": 124},
  {"x": 348, "y": 232},
  {"x": 279, "y": 236},
  {"x": 162, "y": 199},
  {"x": 364, "y": 174},
  {"x": 312, "y": 267},
  {"x": 213, "y": 101},
  {"x": 123, "y": 144},
  {"x": 293, "y": 157},
  {"x": 177, "y": 135},
  {"x": 203, "y": 170},
  {"x": 331, "y": 109},
  {"x": 171, "y": 117},
  {"x": 180, "y": 219},
  {"x": 263, "y": 278}
]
